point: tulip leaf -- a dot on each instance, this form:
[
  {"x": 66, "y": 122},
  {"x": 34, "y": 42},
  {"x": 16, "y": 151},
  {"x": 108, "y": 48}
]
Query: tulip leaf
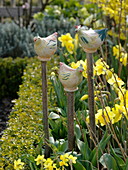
[
  {"x": 108, "y": 162},
  {"x": 97, "y": 151},
  {"x": 79, "y": 166},
  {"x": 77, "y": 132}
]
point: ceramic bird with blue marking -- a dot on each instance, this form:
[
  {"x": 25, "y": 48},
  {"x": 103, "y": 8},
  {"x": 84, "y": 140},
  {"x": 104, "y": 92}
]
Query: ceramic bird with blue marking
[
  {"x": 90, "y": 40},
  {"x": 69, "y": 77},
  {"x": 45, "y": 47}
]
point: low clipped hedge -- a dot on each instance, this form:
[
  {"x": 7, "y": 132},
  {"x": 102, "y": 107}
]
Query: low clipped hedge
[
  {"x": 11, "y": 71},
  {"x": 25, "y": 127}
]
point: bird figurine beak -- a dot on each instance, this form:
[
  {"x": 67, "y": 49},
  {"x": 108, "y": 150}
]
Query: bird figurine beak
[
  {"x": 55, "y": 34},
  {"x": 34, "y": 39}
]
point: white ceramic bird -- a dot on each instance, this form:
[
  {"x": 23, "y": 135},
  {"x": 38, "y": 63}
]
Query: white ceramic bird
[
  {"x": 90, "y": 40},
  {"x": 69, "y": 77},
  {"x": 45, "y": 47}
]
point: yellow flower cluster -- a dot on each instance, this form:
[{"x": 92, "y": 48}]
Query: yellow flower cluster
[
  {"x": 107, "y": 115},
  {"x": 68, "y": 42},
  {"x": 114, "y": 9},
  {"x": 18, "y": 165},
  {"x": 110, "y": 115},
  {"x": 48, "y": 164},
  {"x": 120, "y": 54},
  {"x": 77, "y": 64},
  {"x": 66, "y": 158}
]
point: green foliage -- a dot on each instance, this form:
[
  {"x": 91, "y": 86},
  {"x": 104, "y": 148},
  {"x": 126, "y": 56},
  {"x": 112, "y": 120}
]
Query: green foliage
[
  {"x": 25, "y": 127},
  {"x": 11, "y": 71},
  {"x": 62, "y": 25},
  {"x": 15, "y": 41}
]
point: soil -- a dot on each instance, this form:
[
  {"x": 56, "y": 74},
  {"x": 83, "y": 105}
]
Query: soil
[{"x": 5, "y": 109}]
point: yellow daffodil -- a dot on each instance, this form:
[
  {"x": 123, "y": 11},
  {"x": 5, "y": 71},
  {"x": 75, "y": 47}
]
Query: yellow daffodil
[
  {"x": 108, "y": 74},
  {"x": 64, "y": 160},
  {"x": 115, "y": 80},
  {"x": 72, "y": 159},
  {"x": 40, "y": 159},
  {"x": 70, "y": 47},
  {"x": 77, "y": 64},
  {"x": 84, "y": 97},
  {"x": 65, "y": 38},
  {"x": 117, "y": 110},
  {"x": 104, "y": 116},
  {"x": 18, "y": 165},
  {"x": 100, "y": 67},
  {"x": 124, "y": 58},
  {"x": 121, "y": 54},
  {"x": 49, "y": 165},
  {"x": 123, "y": 97}
]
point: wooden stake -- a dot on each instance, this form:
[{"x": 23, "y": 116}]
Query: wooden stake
[
  {"x": 70, "y": 116},
  {"x": 45, "y": 108},
  {"x": 91, "y": 97}
]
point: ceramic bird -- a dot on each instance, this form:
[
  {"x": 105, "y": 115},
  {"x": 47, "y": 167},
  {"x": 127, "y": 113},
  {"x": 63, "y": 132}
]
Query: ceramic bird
[
  {"x": 69, "y": 77},
  {"x": 45, "y": 47},
  {"x": 90, "y": 40}
]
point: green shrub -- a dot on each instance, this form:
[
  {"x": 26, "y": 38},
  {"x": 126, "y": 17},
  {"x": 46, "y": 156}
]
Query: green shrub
[
  {"x": 49, "y": 24},
  {"x": 11, "y": 71},
  {"x": 15, "y": 41},
  {"x": 25, "y": 127}
]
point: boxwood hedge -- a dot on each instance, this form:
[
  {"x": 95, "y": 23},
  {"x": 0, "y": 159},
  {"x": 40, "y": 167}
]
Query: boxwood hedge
[{"x": 25, "y": 127}]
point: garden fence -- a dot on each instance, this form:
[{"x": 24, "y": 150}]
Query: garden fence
[{"x": 11, "y": 9}]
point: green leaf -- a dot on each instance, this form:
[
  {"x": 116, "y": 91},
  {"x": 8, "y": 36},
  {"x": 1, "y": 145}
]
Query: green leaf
[
  {"x": 119, "y": 161},
  {"x": 77, "y": 132},
  {"x": 53, "y": 115},
  {"x": 79, "y": 166},
  {"x": 83, "y": 147},
  {"x": 39, "y": 147},
  {"x": 97, "y": 151},
  {"x": 108, "y": 162},
  {"x": 64, "y": 146}
]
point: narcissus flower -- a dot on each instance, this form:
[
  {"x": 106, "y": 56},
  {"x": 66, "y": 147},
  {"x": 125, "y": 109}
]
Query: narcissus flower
[
  {"x": 121, "y": 54},
  {"x": 70, "y": 47},
  {"x": 77, "y": 64},
  {"x": 104, "y": 116},
  {"x": 64, "y": 160},
  {"x": 49, "y": 165},
  {"x": 65, "y": 38},
  {"x": 115, "y": 80},
  {"x": 117, "y": 110},
  {"x": 40, "y": 159},
  {"x": 84, "y": 97},
  {"x": 18, "y": 165},
  {"x": 72, "y": 159},
  {"x": 100, "y": 67}
]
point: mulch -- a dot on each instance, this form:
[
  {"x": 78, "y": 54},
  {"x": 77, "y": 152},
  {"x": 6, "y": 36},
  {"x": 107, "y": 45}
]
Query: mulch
[{"x": 5, "y": 109}]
